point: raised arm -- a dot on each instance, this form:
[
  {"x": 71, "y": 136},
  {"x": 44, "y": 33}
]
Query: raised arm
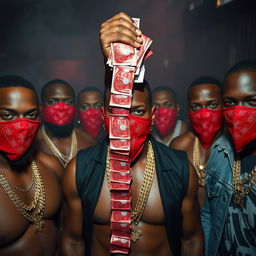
[
  {"x": 193, "y": 239},
  {"x": 72, "y": 241}
]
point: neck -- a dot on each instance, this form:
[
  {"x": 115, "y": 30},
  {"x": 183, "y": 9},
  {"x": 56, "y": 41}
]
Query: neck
[
  {"x": 52, "y": 135},
  {"x": 169, "y": 135}
]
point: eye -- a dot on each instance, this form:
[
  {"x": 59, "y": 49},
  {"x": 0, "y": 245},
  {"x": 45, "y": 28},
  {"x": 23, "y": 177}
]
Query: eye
[
  {"x": 33, "y": 115},
  {"x": 167, "y": 105},
  {"x": 195, "y": 107},
  {"x": 85, "y": 106},
  {"x": 228, "y": 103},
  {"x": 7, "y": 116},
  {"x": 213, "y": 105},
  {"x": 98, "y": 105},
  {"x": 252, "y": 102},
  {"x": 138, "y": 112},
  {"x": 68, "y": 101},
  {"x": 52, "y": 101}
]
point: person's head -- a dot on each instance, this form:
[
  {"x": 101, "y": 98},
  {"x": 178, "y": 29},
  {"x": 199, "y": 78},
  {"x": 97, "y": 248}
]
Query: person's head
[
  {"x": 90, "y": 102},
  {"x": 205, "y": 108},
  {"x": 167, "y": 108},
  {"x": 239, "y": 101},
  {"x": 19, "y": 117},
  {"x": 165, "y": 97},
  {"x": 204, "y": 92},
  {"x": 58, "y": 107},
  {"x": 88, "y": 98},
  {"x": 138, "y": 122}
]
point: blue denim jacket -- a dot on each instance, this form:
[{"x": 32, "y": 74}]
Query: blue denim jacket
[{"x": 218, "y": 193}]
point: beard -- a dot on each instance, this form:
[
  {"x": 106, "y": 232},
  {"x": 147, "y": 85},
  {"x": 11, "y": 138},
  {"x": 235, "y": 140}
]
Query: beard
[
  {"x": 60, "y": 131},
  {"x": 24, "y": 161}
]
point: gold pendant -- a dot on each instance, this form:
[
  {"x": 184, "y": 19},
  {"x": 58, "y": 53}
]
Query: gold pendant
[
  {"x": 38, "y": 226},
  {"x": 136, "y": 234}
]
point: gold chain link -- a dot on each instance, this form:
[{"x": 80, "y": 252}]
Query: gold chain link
[{"x": 33, "y": 212}]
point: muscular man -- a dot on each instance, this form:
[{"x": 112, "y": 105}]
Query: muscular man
[
  {"x": 228, "y": 215},
  {"x": 90, "y": 102},
  {"x": 58, "y": 136},
  {"x": 206, "y": 118},
  {"x": 30, "y": 192},
  {"x": 166, "y": 127},
  {"x": 170, "y": 222}
]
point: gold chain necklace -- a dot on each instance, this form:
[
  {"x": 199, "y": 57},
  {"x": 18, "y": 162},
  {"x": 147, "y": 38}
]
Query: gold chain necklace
[
  {"x": 63, "y": 158},
  {"x": 146, "y": 185},
  {"x": 200, "y": 169},
  {"x": 240, "y": 191},
  {"x": 35, "y": 211}
]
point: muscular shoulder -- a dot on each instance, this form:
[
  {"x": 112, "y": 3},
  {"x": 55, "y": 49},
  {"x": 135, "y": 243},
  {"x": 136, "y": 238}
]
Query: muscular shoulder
[
  {"x": 84, "y": 139},
  {"x": 183, "y": 142},
  {"x": 50, "y": 163}
]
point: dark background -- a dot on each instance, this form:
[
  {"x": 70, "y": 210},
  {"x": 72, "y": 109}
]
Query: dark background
[{"x": 47, "y": 39}]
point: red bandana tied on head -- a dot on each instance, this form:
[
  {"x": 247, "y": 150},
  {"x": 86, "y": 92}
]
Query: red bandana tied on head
[
  {"x": 59, "y": 114},
  {"x": 241, "y": 123},
  {"x": 91, "y": 121},
  {"x": 165, "y": 119},
  {"x": 16, "y": 136},
  {"x": 139, "y": 131},
  {"x": 206, "y": 123}
]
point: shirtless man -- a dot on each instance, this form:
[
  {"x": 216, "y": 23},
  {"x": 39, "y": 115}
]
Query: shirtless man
[
  {"x": 170, "y": 222},
  {"x": 206, "y": 118},
  {"x": 89, "y": 104},
  {"x": 167, "y": 127},
  {"x": 25, "y": 176},
  {"x": 58, "y": 136}
]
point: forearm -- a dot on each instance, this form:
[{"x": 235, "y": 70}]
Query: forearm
[
  {"x": 193, "y": 246},
  {"x": 71, "y": 247}
]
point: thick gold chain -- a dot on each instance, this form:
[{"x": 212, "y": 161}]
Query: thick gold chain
[
  {"x": 63, "y": 158},
  {"x": 146, "y": 185},
  {"x": 35, "y": 211},
  {"x": 240, "y": 191},
  {"x": 200, "y": 169}
]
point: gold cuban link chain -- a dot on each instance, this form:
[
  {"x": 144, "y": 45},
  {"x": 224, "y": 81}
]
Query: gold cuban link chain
[
  {"x": 200, "y": 169},
  {"x": 240, "y": 191},
  {"x": 35, "y": 211}
]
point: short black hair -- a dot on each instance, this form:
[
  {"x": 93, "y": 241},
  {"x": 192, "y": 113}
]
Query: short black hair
[
  {"x": 136, "y": 86},
  {"x": 15, "y": 81},
  {"x": 55, "y": 81},
  {"x": 89, "y": 89},
  {"x": 167, "y": 89},
  {"x": 243, "y": 66},
  {"x": 205, "y": 80}
]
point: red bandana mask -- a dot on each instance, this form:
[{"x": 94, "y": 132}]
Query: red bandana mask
[
  {"x": 206, "y": 123},
  {"x": 139, "y": 131},
  {"x": 59, "y": 114},
  {"x": 91, "y": 121},
  {"x": 165, "y": 119},
  {"x": 241, "y": 123},
  {"x": 16, "y": 137}
]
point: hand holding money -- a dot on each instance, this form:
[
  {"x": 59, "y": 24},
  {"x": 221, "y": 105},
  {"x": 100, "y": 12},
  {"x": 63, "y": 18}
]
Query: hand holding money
[{"x": 120, "y": 28}]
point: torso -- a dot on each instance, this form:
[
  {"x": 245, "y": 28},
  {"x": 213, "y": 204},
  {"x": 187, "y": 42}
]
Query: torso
[
  {"x": 17, "y": 236},
  {"x": 154, "y": 237}
]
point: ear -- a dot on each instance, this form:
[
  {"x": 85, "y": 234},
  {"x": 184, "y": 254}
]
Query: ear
[
  {"x": 102, "y": 112},
  {"x": 178, "y": 107},
  {"x": 153, "y": 113}
]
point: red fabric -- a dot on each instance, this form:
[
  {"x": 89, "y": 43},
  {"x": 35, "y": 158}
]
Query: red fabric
[
  {"x": 241, "y": 123},
  {"x": 16, "y": 137},
  {"x": 59, "y": 114},
  {"x": 165, "y": 119},
  {"x": 139, "y": 131},
  {"x": 206, "y": 123},
  {"x": 91, "y": 121}
]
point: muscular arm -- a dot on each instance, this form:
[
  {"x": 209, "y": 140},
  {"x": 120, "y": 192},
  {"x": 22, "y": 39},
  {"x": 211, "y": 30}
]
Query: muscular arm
[
  {"x": 193, "y": 239},
  {"x": 72, "y": 241}
]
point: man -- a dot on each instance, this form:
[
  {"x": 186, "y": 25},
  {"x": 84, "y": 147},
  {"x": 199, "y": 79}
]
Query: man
[
  {"x": 90, "y": 102},
  {"x": 58, "y": 137},
  {"x": 206, "y": 118},
  {"x": 167, "y": 127},
  {"x": 30, "y": 192},
  {"x": 170, "y": 222},
  {"x": 229, "y": 215}
]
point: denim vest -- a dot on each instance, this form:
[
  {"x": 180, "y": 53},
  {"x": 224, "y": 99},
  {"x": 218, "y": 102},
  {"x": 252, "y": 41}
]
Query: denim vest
[{"x": 218, "y": 193}]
